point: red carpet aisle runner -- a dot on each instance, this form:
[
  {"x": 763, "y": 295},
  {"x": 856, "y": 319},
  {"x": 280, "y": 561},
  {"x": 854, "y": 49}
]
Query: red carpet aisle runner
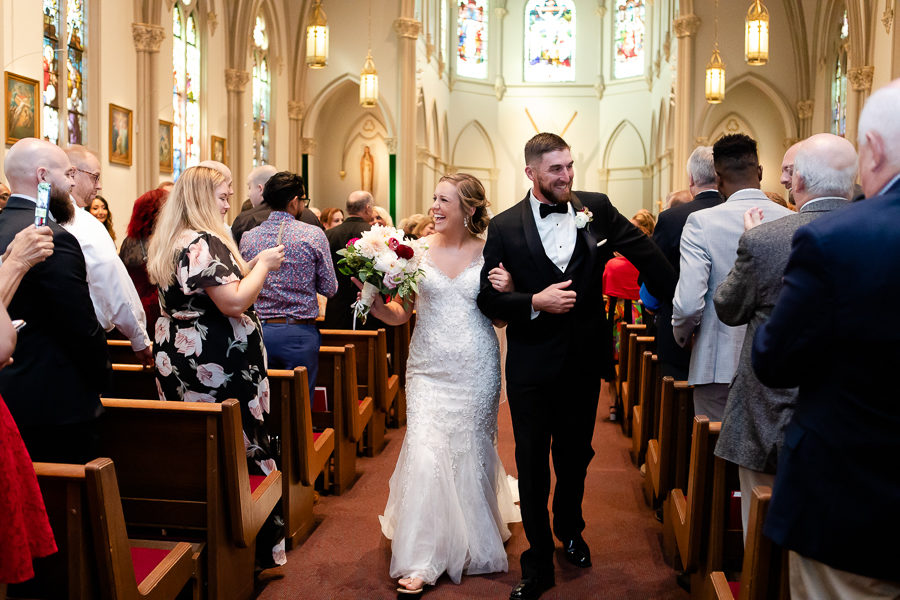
[{"x": 346, "y": 557}]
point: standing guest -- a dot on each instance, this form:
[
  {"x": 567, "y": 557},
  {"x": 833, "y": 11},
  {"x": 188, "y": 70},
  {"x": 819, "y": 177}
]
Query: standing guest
[
  {"x": 425, "y": 227},
  {"x": 134, "y": 250},
  {"x": 25, "y": 532},
  {"x": 4, "y": 195},
  {"x": 834, "y": 505},
  {"x": 100, "y": 209},
  {"x": 332, "y": 217},
  {"x": 678, "y": 198},
  {"x": 554, "y": 244},
  {"x": 316, "y": 212},
  {"x": 208, "y": 340},
  {"x": 60, "y": 364},
  {"x": 780, "y": 201},
  {"x": 409, "y": 224},
  {"x": 383, "y": 217},
  {"x": 287, "y": 304},
  {"x": 166, "y": 186},
  {"x": 708, "y": 251},
  {"x": 673, "y": 359},
  {"x": 116, "y": 302},
  {"x": 756, "y": 415},
  {"x": 257, "y": 212},
  {"x": 787, "y": 170},
  {"x": 360, "y": 215}
]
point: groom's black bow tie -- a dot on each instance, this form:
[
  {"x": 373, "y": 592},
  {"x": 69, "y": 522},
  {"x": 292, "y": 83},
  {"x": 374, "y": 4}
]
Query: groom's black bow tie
[{"x": 546, "y": 209}]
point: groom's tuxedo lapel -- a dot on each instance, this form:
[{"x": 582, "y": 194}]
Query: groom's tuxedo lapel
[
  {"x": 585, "y": 246},
  {"x": 535, "y": 246}
]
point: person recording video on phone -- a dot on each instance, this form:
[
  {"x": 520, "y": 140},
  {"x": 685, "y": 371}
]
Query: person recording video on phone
[{"x": 60, "y": 363}]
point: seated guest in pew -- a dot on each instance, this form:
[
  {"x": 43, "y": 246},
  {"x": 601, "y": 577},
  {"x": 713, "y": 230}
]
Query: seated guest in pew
[
  {"x": 708, "y": 250},
  {"x": 287, "y": 304},
  {"x": 756, "y": 415},
  {"x": 836, "y": 495},
  {"x": 208, "y": 342},
  {"x": 115, "y": 299},
  {"x": 60, "y": 364},
  {"x": 24, "y": 529},
  {"x": 260, "y": 210}
]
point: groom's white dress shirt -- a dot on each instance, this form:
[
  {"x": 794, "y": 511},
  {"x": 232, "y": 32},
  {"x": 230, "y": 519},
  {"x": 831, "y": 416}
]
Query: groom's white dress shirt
[
  {"x": 115, "y": 299},
  {"x": 557, "y": 232}
]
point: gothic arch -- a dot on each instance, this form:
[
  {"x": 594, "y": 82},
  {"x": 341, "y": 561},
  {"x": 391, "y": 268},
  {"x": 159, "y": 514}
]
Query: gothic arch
[
  {"x": 315, "y": 107},
  {"x": 478, "y": 129},
  {"x": 623, "y": 127},
  {"x": 243, "y": 32},
  {"x": 435, "y": 139},
  {"x": 788, "y": 118}
]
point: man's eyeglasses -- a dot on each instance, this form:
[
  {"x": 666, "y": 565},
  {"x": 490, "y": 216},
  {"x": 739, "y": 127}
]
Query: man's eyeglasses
[
  {"x": 305, "y": 201},
  {"x": 95, "y": 177}
]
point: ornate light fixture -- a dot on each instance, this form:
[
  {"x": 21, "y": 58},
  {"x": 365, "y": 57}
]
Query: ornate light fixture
[
  {"x": 368, "y": 79},
  {"x": 756, "y": 39},
  {"x": 715, "y": 70},
  {"x": 317, "y": 38}
]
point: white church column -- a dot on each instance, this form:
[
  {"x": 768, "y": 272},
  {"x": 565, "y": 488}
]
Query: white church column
[
  {"x": 235, "y": 82},
  {"x": 296, "y": 109},
  {"x": 147, "y": 40},
  {"x": 407, "y": 29},
  {"x": 685, "y": 28},
  {"x": 860, "y": 79}
]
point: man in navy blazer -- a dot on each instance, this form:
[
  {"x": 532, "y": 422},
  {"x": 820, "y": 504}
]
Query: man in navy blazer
[{"x": 837, "y": 491}]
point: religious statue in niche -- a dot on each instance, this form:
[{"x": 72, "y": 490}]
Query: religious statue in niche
[{"x": 367, "y": 170}]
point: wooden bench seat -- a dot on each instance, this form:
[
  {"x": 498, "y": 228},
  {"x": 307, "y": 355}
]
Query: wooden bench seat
[
  {"x": 348, "y": 415},
  {"x": 131, "y": 380},
  {"x": 304, "y": 452},
  {"x": 182, "y": 471},
  {"x": 644, "y": 412},
  {"x": 373, "y": 376},
  {"x": 398, "y": 338},
  {"x": 96, "y": 559},
  {"x": 621, "y": 368},
  {"x": 668, "y": 454},
  {"x": 120, "y": 351},
  {"x": 637, "y": 345}
]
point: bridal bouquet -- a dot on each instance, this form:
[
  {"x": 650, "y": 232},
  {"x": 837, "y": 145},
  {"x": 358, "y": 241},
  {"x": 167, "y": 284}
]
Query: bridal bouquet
[{"x": 385, "y": 262}]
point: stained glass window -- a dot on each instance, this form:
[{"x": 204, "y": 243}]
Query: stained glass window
[
  {"x": 550, "y": 40},
  {"x": 50, "y": 83},
  {"x": 629, "y": 38},
  {"x": 75, "y": 69},
  {"x": 262, "y": 89},
  {"x": 839, "y": 83},
  {"x": 185, "y": 89},
  {"x": 471, "y": 39}
]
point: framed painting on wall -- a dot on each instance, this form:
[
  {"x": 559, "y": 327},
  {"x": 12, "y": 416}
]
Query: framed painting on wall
[
  {"x": 23, "y": 115},
  {"x": 120, "y": 135},
  {"x": 165, "y": 147},
  {"x": 217, "y": 150}
]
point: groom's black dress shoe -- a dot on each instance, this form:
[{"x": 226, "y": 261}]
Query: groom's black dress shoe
[
  {"x": 577, "y": 552},
  {"x": 531, "y": 588}
]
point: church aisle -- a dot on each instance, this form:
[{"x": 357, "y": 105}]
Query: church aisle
[{"x": 346, "y": 557}]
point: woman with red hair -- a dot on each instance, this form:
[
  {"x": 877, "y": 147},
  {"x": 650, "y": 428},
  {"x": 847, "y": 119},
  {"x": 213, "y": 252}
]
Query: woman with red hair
[{"x": 134, "y": 250}]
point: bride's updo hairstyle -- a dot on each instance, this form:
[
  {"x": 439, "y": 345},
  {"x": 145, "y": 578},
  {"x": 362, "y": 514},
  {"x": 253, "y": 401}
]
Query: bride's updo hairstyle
[{"x": 471, "y": 196}]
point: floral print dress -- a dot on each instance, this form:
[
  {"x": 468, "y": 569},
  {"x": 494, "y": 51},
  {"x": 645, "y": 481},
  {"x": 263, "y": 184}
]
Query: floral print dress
[{"x": 204, "y": 356}]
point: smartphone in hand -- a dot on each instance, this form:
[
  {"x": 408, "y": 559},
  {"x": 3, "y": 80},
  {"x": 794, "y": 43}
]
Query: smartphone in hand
[
  {"x": 18, "y": 324},
  {"x": 43, "y": 204},
  {"x": 280, "y": 233}
]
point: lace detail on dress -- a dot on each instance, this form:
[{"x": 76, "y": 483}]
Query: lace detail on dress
[{"x": 450, "y": 500}]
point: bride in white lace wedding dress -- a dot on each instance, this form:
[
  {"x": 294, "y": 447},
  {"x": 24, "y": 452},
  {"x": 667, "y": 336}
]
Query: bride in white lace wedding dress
[{"x": 449, "y": 496}]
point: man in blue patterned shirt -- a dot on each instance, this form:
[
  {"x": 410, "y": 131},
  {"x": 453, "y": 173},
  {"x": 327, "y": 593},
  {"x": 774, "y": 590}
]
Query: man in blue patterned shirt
[{"x": 287, "y": 304}]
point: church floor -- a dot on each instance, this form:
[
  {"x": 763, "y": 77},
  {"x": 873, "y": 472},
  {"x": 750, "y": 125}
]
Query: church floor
[{"x": 346, "y": 557}]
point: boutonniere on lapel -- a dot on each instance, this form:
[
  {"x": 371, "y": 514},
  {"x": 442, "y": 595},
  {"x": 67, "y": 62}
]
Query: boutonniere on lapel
[{"x": 583, "y": 217}]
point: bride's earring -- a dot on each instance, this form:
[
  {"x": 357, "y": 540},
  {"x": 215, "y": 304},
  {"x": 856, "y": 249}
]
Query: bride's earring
[{"x": 466, "y": 221}]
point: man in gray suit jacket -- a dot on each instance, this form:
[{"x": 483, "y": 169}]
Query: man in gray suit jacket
[
  {"x": 708, "y": 250},
  {"x": 755, "y": 416}
]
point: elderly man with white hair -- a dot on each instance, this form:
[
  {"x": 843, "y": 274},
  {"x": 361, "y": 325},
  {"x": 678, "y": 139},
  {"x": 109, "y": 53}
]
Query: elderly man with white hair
[
  {"x": 824, "y": 168},
  {"x": 834, "y": 506}
]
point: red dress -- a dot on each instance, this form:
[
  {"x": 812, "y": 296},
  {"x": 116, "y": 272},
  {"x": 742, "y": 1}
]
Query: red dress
[{"x": 25, "y": 532}]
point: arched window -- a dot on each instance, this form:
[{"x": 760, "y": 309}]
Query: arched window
[
  {"x": 629, "y": 38},
  {"x": 550, "y": 40},
  {"x": 66, "y": 81},
  {"x": 839, "y": 82},
  {"x": 471, "y": 38},
  {"x": 185, "y": 88},
  {"x": 262, "y": 91}
]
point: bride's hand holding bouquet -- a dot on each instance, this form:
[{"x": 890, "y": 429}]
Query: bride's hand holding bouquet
[{"x": 385, "y": 263}]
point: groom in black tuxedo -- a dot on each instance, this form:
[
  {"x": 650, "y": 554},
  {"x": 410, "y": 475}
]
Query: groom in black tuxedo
[{"x": 555, "y": 243}]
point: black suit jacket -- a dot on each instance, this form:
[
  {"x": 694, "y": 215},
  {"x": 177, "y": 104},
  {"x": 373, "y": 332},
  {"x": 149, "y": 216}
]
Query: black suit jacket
[
  {"x": 253, "y": 217},
  {"x": 673, "y": 358},
  {"x": 541, "y": 349},
  {"x": 60, "y": 365},
  {"x": 337, "y": 311},
  {"x": 837, "y": 492}
]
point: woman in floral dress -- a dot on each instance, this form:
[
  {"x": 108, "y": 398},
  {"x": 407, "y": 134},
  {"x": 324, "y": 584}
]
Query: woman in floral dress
[{"x": 208, "y": 341}]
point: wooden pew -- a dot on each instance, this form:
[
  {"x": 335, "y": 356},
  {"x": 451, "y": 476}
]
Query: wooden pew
[
  {"x": 96, "y": 559},
  {"x": 132, "y": 381},
  {"x": 183, "y": 475},
  {"x": 120, "y": 351},
  {"x": 625, "y": 331},
  {"x": 764, "y": 572},
  {"x": 686, "y": 520},
  {"x": 304, "y": 453},
  {"x": 348, "y": 415},
  {"x": 398, "y": 338},
  {"x": 668, "y": 453},
  {"x": 637, "y": 345},
  {"x": 374, "y": 379},
  {"x": 644, "y": 412}
]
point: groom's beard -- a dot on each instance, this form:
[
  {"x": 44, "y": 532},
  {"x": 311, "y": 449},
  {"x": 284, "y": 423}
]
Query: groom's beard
[
  {"x": 554, "y": 194},
  {"x": 61, "y": 206}
]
